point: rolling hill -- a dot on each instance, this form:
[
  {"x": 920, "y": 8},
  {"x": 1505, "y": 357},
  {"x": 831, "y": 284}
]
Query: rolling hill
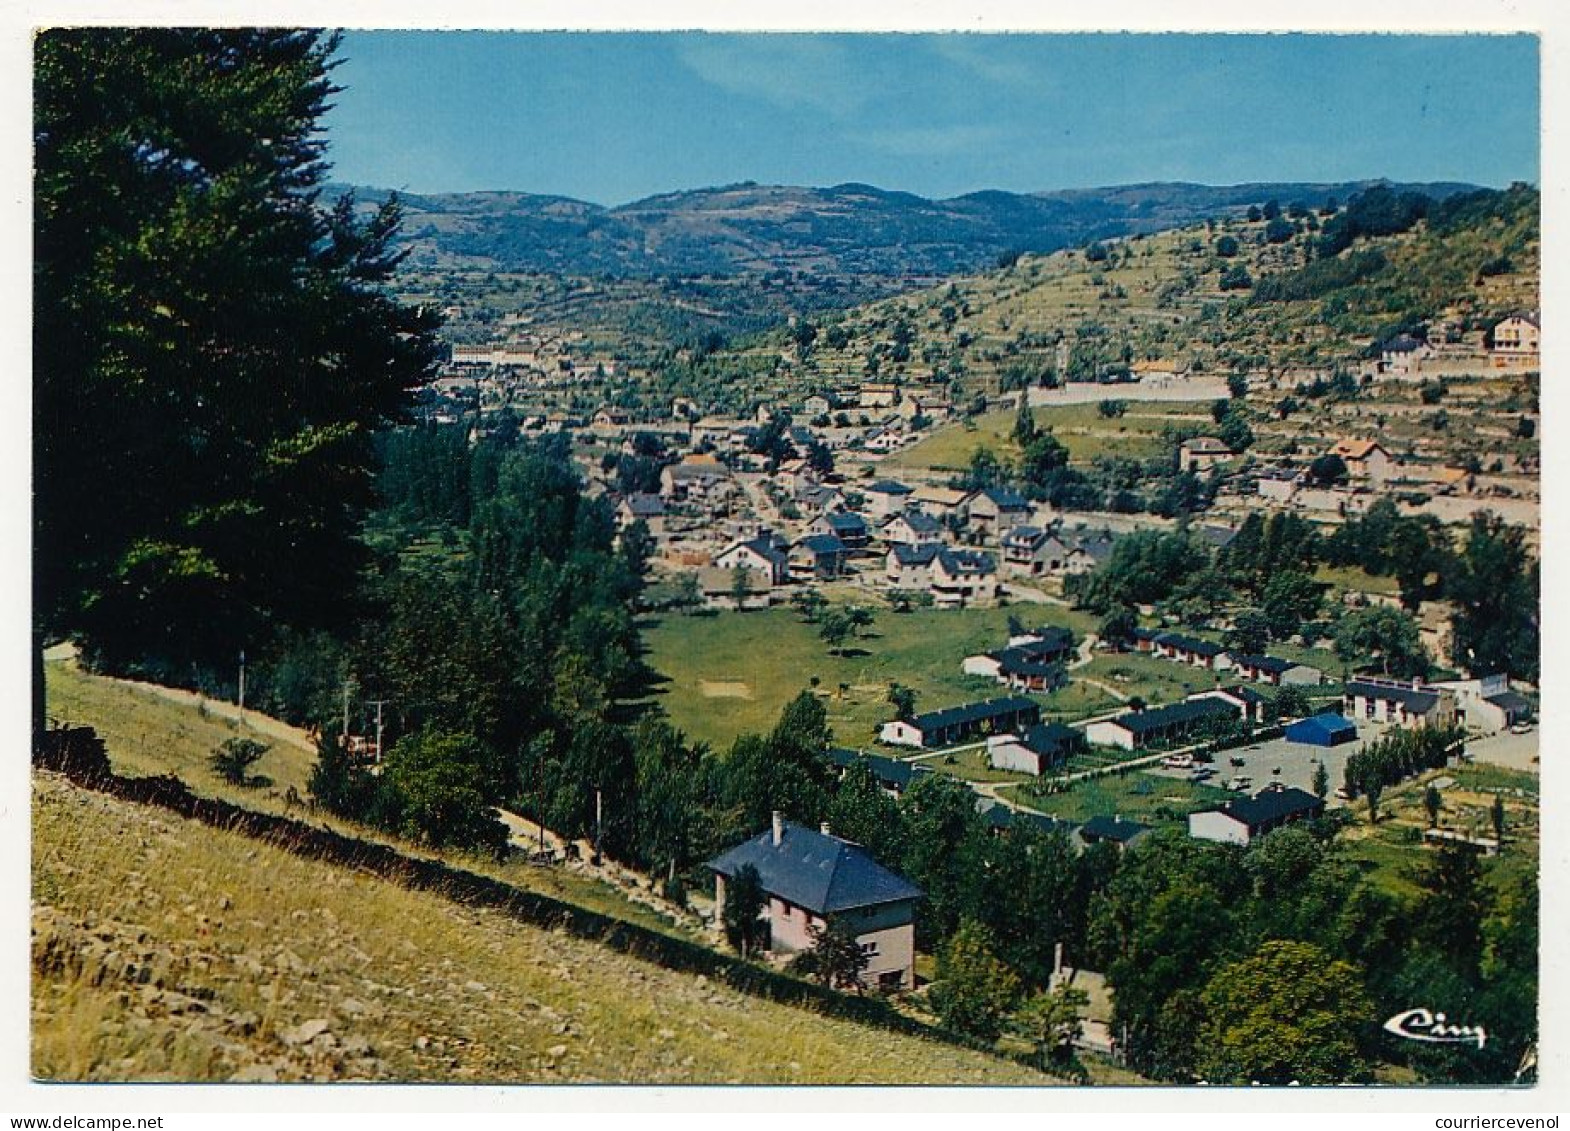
[{"x": 845, "y": 230}]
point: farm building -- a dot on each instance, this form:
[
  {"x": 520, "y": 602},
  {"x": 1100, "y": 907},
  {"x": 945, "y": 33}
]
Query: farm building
[
  {"x": 1322, "y": 730},
  {"x": 955, "y": 724},
  {"x": 812, "y": 878}
]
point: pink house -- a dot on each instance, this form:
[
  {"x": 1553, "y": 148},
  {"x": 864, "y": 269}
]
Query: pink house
[{"x": 813, "y": 878}]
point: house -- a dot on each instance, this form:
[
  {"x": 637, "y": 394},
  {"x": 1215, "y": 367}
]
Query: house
[
  {"x": 994, "y": 511},
  {"x": 937, "y": 729},
  {"x": 816, "y": 405},
  {"x": 1278, "y": 486},
  {"x": 647, "y": 509},
  {"x": 1276, "y": 672},
  {"x": 1145, "y": 639},
  {"x": 701, "y": 478},
  {"x": 763, "y": 554},
  {"x": 817, "y": 498},
  {"x": 910, "y": 567},
  {"x": 1364, "y": 459},
  {"x": 1111, "y": 830},
  {"x": 1403, "y": 355},
  {"x": 1156, "y": 372},
  {"x": 1191, "y": 650},
  {"x": 1516, "y": 341},
  {"x": 718, "y": 587},
  {"x": 610, "y": 419},
  {"x": 1136, "y": 729},
  {"x": 894, "y": 776},
  {"x": 1202, "y": 453},
  {"x": 878, "y": 394},
  {"x": 1088, "y": 552},
  {"x": 1487, "y": 703},
  {"x": 817, "y": 557},
  {"x": 811, "y": 879},
  {"x": 885, "y": 497},
  {"x": 1249, "y": 704},
  {"x": 1247, "y": 819},
  {"x": 912, "y": 528},
  {"x": 1020, "y": 670},
  {"x": 1400, "y": 703},
  {"x": 1034, "y": 750},
  {"x": 961, "y": 578},
  {"x": 999, "y": 818},
  {"x": 942, "y": 503},
  {"x": 1328, "y": 729},
  {"x": 1030, "y": 551},
  {"x": 881, "y": 439},
  {"x": 848, "y": 526}
]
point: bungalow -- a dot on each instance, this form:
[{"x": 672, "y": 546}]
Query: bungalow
[
  {"x": 912, "y": 528},
  {"x": 1202, "y": 453},
  {"x": 1328, "y": 729},
  {"x": 811, "y": 879},
  {"x": 1018, "y": 668},
  {"x": 881, "y": 439},
  {"x": 1401, "y": 704},
  {"x": 937, "y": 729},
  {"x": 1051, "y": 642},
  {"x": 1276, "y": 672},
  {"x": 1249, "y": 704},
  {"x": 1035, "y": 750},
  {"x": 959, "y": 578},
  {"x": 817, "y": 557},
  {"x": 647, "y": 509},
  {"x": 1135, "y": 729},
  {"x": 1191, "y": 650},
  {"x": 848, "y": 526},
  {"x": 1111, "y": 830},
  {"x": 701, "y": 478},
  {"x": 999, "y": 818},
  {"x": 763, "y": 554},
  {"x": 1249, "y": 818},
  {"x": 1364, "y": 459},
  {"x": 1145, "y": 639},
  {"x": 885, "y": 497},
  {"x": 893, "y": 775},
  {"x": 1030, "y": 551},
  {"x": 994, "y": 511}
]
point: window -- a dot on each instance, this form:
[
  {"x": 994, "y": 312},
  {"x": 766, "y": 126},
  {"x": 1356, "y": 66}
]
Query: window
[{"x": 869, "y": 949}]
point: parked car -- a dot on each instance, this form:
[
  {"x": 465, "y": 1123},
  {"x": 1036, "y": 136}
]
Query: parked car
[
  {"x": 1178, "y": 761},
  {"x": 1522, "y": 727}
]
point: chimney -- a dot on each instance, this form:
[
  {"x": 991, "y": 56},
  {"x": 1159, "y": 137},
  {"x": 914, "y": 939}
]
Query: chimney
[
  {"x": 824, "y": 829},
  {"x": 779, "y": 827},
  {"x": 1417, "y": 683}
]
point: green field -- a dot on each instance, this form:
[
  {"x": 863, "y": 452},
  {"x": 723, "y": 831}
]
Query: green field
[
  {"x": 730, "y": 674},
  {"x": 1080, "y": 427},
  {"x": 1154, "y": 680},
  {"x": 1137, "y": 796}
]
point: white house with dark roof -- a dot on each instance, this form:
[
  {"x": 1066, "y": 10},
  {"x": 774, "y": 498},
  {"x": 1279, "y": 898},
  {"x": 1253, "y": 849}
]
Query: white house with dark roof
[
  {"x": 1398, "y": 702},
  {"x": 1516, "y": 341},
  {"x": 993, "y": 511},
  {"x": 812, "y": 879},
  {"x": 885, "y": 497},
  {"x": 1135, "y": 729},
  {"x": 817, "y": 557},
  {"x": 1488, "y": 703},
  {"x": 962, "y": 578},
  {"x": 763, "y": 554},
  {"x": 1034, "y": 750},
  {"x": 1201, "y": 453},
  {"x": 935, "y": 729},
  {"x": 1247, "y": 819},
  {"x": 911, "y": 528},
  {"x": 1030, "y": 551},
  {"x": 1276, "y": 671},
  {"x": 1191, "y": 650}
]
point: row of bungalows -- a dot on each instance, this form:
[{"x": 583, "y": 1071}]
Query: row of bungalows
[
  {"x": 1247, "y": 819},
  {"x": 1276, "y": 671},
  {"x": 1136, "y": 729},
  {"x": 1399, "y": 702},
  {"x": 952, "y": 725},
  {"x": 893, "y": 775},
  {"x": 955, "y": 578},
  {"x": 1031, "y": 661},
  {"x": 1035, "y": 750},
  {"x": 1114, "y": 830},
  {"x": 1177, "y": 647},
  {"x": 1250, "y": 705}
]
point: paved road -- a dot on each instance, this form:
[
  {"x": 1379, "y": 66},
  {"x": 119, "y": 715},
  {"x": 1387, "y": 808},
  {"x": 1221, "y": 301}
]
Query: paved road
[{"x": 1517, "y": 751}]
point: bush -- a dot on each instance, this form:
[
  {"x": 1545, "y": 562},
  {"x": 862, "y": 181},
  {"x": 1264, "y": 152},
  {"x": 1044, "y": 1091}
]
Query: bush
[
  {"x": 234, "y": 759},
  {"x": 439, "y": 778}
]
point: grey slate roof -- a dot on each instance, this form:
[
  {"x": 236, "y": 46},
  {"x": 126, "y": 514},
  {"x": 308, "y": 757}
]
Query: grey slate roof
[
  {"x": 1112, "y": 828},
  {"x": 823, "y": 544},
  {"x": 823, "y": 874},
  {"x": 645, "y": 506},
  {"x": 1189, "y": 644},
  {"x": 1006, "y": 499},
  {"x": 1512, "y": 701},
  {"x": 1271, "y": 805},
  {"x": 1272, "y": 664},
  {"x": 1051, "y": 738},
  {"x": 974, "y": 712},
  {"x": 887, "y": 487},
  {"x": 957, "y": 562},
  {"x": 889, "y": 771},
  {"x": 915, "y": 555},
  {"x": 918, "y": 522},
  {"x": 1417, "y": 702},
  {"x": 1159, "y": 718},
  {"x": 847, "y": 522}
]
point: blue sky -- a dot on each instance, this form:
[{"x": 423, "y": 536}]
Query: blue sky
[{"x": 611, "y": 118}]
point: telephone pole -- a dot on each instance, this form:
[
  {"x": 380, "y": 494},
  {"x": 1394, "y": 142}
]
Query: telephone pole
[
  {"x": 242, "y": 684},
  {"x": 378, "y": 704}
]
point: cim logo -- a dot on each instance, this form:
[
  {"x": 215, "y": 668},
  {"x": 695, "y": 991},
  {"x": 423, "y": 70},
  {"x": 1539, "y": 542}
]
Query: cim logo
[{"x": 1423, "y": 1025}]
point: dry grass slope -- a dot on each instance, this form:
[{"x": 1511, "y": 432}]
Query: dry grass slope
[{"x": 166, "y": 950}]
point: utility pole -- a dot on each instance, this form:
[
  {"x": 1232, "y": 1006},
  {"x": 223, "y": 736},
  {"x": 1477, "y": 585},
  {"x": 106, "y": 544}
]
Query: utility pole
[
  {"x": 242, "y": 684},
  {"x": 345, "y": 731},
  {"x": 598, "y": 814},
  {"x": 378, "y": 704}
]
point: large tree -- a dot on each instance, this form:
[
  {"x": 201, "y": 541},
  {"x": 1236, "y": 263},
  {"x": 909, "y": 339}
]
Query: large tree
[{"x": 213, "y": 345}]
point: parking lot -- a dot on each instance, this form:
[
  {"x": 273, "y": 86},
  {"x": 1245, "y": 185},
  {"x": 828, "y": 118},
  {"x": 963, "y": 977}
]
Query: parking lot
[
  {"x": 1517, "y": 751},
  {"x": 1295, "y": 760}
]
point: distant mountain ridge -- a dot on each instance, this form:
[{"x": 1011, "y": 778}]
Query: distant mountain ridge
[{"x": 848, "y": 229}]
